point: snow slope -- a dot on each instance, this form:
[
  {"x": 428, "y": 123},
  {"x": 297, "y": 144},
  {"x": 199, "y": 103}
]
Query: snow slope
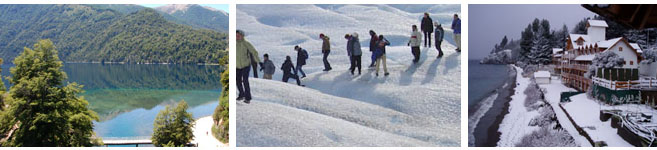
[{"x": 417, "y": 105}]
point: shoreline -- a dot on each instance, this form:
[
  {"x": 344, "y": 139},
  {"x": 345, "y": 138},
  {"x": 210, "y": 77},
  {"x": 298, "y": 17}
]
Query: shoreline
[
  {"x": 493, "y": 117},
  {"x": 203, "y": 133}
]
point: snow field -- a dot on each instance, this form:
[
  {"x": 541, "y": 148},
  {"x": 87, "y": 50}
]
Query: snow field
[{"x": 416, "y": 105}]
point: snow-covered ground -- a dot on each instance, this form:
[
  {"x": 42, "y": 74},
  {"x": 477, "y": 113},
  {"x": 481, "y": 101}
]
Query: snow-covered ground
[
  {"x": 586, "y": 112},
  {"x": 515, "y": 124},
  {"x": 417, "y": 105},
  {"x": 553, "y": 96}
]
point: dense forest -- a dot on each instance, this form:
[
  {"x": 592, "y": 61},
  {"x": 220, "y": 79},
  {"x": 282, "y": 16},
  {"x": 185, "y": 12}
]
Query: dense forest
[{"x": 85, "y": 33}]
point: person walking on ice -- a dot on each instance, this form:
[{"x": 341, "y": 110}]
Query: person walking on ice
[
  {"x": 287, "y": 68},
  {"x": 427, "y": 28},
  {"x": 267, "y": 66},
  {"x": 381, "y": 55},
  {"x": 456, "y": 26},
  {"x": 326, "y": 50},
  {"x": 373, "y": 41},
  {"x": 439, "y": 33},
  {"x": 353, "y": 49},
  {"x": 415, "y": 42},
  {"x": 244, "y": 52},
  {"x": 302, "y": 55}
]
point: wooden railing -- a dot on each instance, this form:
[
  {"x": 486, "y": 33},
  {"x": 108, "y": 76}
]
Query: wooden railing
[{"x": 646, "y": 83}]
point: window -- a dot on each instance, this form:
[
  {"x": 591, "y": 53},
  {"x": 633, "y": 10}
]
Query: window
[
  {"x": 631, "y": 62},
  {"x": 620, "y": 49},
  {"x": 625, "y": 62}
]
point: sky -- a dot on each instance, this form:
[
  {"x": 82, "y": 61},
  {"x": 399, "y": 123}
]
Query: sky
[
  {"x": 488, "y": 24},
  {"x": 223, "y": 7}
]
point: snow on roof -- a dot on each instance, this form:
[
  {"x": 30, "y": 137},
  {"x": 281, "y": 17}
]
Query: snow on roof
[
  {"x": 541, "y": 74},
  {"x": 637, "y": 47},
  {"x": 597, "y": 23},
  {"x": 557, "y": 55},
  {"x": 585, "y": 57},
  {"x": 608, "y": 43},
  {"x": 574, "y": 37},
  {"x": 556, "y": 50}
]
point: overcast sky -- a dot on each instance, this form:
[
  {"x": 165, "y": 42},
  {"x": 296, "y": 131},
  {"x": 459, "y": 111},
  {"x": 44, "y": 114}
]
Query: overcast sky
[{"x": 487, "y": 24}]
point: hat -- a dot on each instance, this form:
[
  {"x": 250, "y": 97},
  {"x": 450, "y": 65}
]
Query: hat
[
  {"x": 436, "y": 23},
  {"x": 321, "y": 35},
  {"x": 355, "y": 35},
  {"x": 266, "y": 55},
  {"x": 241, "y": 32},
  {"x": 296, "y": 47}
]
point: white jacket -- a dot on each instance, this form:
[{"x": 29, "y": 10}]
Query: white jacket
[{"x": 416, "y": 39}]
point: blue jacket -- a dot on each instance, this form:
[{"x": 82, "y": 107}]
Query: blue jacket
[
  {"x": 439, "y": 33},
  {"x": 268, "y": 67},
  {"x": 456, "y": 26}
]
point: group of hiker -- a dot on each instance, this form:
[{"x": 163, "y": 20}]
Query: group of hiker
[{"x": 247, "y": 55}]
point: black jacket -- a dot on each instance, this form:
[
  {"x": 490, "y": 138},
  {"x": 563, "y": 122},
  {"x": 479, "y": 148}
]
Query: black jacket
[
  {"x": 301, "y": 59},
  {"x": 287, "y": 67},
  {"x": 427, "y": 24}
]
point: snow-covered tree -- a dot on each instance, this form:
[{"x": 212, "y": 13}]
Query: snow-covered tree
[
  {"x": 540, "y": 52},
  {"x": 606, "y": 60},
  {"x": 649, "y": 56}
]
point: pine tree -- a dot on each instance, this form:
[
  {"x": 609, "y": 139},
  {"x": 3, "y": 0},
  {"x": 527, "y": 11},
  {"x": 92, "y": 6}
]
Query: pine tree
[
  {"x": 41, "y": 110},
  {"x": 504, "y": 42},
  {"x": 580, "y": 27},
  {"x": 173, "y": 126},
  {"x": 525, "y": 43}
]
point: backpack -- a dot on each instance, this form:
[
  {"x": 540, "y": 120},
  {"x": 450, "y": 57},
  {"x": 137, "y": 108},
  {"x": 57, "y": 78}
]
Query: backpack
[{"x": 304, "y": 53}]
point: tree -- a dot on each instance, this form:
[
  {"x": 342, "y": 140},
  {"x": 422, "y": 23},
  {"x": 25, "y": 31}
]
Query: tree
[
  {"x": 606, "y": 60},
  {"x": 580, "y": 27},
  {"x": 2, "y": 91},
  {"x": 525, "y": 42},
  {"x": 220, "y": 116},
  {"x": 540, "y": 52},
  {"x": 41, "y": 110},
  {"x": 173, "y": 126}
]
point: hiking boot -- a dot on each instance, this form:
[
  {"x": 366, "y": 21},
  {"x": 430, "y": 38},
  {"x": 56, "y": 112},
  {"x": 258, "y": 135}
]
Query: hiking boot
[
  {"x": 386, "y": 74},
  {"x": 247, "y": 101},
  {"x": 240, "y": 98},
  {"x": 377, "y": 74}
]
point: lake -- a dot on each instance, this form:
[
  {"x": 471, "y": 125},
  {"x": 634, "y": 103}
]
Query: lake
[{"x": 127, "y": 97}]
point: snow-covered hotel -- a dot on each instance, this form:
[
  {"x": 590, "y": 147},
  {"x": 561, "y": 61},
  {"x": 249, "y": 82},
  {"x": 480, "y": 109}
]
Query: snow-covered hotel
[{"x": 581, "y": 49}]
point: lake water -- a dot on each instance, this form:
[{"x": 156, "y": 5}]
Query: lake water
[
  {"x": 127, "y": 97},
  {"x": 484, "y": 79}
]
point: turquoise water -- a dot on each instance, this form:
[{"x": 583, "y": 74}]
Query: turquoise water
[{"x": 127, "y": 97}]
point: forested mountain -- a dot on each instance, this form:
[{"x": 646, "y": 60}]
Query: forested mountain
[
  {"x": 188, "y": 14},
  {"x": 196, "y": 16},
  {"x": 86, "y": 33}
]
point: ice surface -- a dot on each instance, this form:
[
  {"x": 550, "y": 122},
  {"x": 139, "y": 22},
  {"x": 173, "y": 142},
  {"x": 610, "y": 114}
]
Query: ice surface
[{"x": 416, "y": 105}]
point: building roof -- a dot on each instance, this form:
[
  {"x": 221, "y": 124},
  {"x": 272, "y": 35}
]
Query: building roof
[
  {"x": 574, "y": 37},
  {"x": 608, "y": 43},
  {"x": 637, "y": 47},
  {"x": 585, "y": 57},
  {"x": 627, "y": 14},
  {"x": 597, "y": 23},
  {"x": 541, "y": 74},
  {"x": 556, "y": 50}
]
